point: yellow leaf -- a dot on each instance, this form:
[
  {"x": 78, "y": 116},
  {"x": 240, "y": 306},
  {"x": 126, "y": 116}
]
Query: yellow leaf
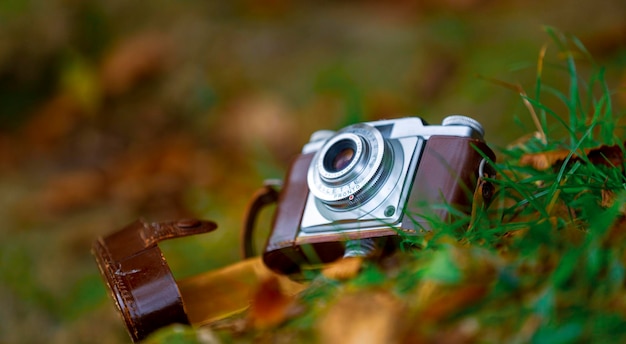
[{"x": 344, "y": 268}]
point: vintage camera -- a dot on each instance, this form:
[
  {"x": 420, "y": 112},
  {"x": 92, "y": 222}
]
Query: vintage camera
[
  {"x": 350, "y": 190},
  {"x": 349, "y": 193}
]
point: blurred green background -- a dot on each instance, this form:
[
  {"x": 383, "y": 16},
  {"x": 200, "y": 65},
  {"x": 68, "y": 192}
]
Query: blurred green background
[{"x": 114, "y": 110}]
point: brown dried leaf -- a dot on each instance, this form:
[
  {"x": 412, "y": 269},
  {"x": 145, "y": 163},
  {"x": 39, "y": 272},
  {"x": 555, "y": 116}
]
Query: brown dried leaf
[
  {"x": 51, "y": 122},
  {"x": 363, "y": 317},
  {"x": 133, "y": 60},
  {"x": 606, "y": 155},
  {"x": 270, "y": 305},
  {"x": 608, "y": 198},
  {"x": 603, "y": 155},
  {"x": 161, "y": 170},
  {"x": 438, "y": 302},
  {"x": 70, "y": 191},
  {"x": 344, "y": 268},
  {"x": 543, "y": 161}
]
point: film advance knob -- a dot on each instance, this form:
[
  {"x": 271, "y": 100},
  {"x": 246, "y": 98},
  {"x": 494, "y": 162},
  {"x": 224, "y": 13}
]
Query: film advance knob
[{"x": 464, "y": 120}]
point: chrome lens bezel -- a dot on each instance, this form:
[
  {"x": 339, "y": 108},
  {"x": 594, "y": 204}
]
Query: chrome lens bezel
[
  {"x": 338, "y": 177},
  {"x": 339, "y": 188}
]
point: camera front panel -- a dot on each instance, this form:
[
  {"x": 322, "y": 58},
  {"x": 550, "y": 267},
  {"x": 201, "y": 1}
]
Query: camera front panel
[{"x": 375, "y": 194}]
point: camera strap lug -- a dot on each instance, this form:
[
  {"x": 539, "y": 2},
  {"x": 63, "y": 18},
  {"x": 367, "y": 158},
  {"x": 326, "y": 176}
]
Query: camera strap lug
[
  {"x": 486, "y": 171},
  {"x": 485, "y": 190}
]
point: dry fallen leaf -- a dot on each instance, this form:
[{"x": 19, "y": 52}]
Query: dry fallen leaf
[
  {"x": 134, "y": 59},
  {"x": 162, "y": 170},
  {"x": 363, "y": 317},
  {"x": 69, "y": 191},
  {"x": 52, "y": 122},
  {"x": 603, "y": 155},
  {"x": 270, "y": 305},
  {"x": 344, "y": 268},
  {"x": 443, "y": 302},
  {"x": 545, "y": 160},
  {"x": 608, "y": 198},
  {"x": 606, "y": 155}
]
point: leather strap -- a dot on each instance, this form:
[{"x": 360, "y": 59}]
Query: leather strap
[{"x": 265, "y": 196}]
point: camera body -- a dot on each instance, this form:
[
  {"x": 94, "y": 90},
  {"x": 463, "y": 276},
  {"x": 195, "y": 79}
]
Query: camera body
[{"x": 373, "y": 180}]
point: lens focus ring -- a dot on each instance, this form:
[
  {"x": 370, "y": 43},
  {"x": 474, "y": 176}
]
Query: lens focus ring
[{"x": 346, "y": 169}]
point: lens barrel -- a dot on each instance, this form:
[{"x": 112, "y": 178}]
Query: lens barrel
[{"x": 347, "y": 170}]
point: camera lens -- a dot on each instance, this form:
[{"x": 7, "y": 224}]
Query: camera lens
[
  {"x": 339, "y": 156},
  {"x": 350, "y": 167},
  {"x": 343, "y": 159}
]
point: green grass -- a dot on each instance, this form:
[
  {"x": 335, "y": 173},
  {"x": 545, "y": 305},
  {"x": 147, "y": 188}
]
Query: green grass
[
  {"x": 556, "y": 250},
  {"x": 545, "y": 263}
]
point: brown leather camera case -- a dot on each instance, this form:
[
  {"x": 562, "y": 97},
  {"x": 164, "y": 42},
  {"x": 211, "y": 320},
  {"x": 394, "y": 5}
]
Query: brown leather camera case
[{"x": 138, "y": 276}]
